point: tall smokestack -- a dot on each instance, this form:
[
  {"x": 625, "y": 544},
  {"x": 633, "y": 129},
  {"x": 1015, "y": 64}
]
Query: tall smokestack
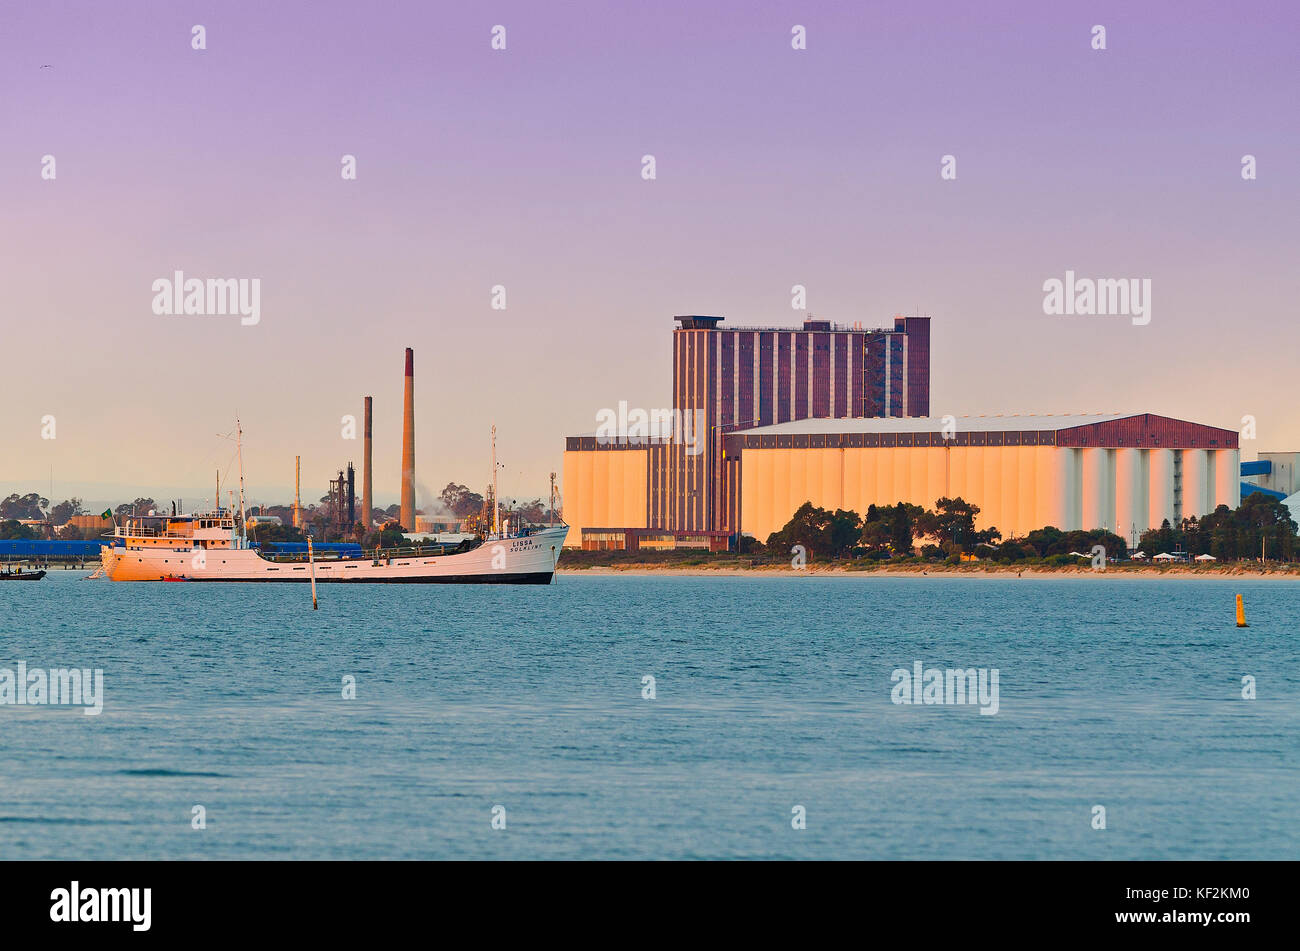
[
  {"x": 367, "y": 500},
  {"x": 352, "y": 497},
  {"x": 408, "y": 444}
]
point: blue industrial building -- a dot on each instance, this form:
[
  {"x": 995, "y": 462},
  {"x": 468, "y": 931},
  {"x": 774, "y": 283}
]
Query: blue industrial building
[{"x": 13, "y": 549}]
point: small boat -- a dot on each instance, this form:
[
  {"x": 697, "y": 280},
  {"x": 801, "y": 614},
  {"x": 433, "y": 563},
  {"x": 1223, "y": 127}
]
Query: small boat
[
  {"x": 174, "y": 578},
  {"x": 21, "y": 575}
]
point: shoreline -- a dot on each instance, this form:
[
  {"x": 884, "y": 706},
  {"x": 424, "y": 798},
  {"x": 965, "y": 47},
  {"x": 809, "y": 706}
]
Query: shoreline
[{"x": 939, "y": 571}]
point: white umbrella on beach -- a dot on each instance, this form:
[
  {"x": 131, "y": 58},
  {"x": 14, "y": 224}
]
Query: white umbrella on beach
[
  {"x": 1206, "y": 558},
  {"x": 1163, "y": 556}
]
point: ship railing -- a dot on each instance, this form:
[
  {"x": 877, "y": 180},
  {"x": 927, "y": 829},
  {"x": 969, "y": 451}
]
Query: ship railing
[
  {"x": 412, "y": 551},
  {"x": 523, "y": 533},
  {"x": 370, "y": 554},
  {"x": 123, "y": 532}
]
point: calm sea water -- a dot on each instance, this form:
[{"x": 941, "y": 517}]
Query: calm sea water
[{"x": 771, "y": 693}]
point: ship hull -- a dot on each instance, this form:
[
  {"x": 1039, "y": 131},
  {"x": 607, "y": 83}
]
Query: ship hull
[
  {"x": 537, "y": 577},
  {"x": 529, "y": 559}
]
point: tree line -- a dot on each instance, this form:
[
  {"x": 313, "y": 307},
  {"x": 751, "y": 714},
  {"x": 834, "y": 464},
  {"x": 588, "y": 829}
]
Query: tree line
[
  {"x": 885, "y": 530},
  {"x": 455, "y": 502},
  {"x": 1260, "y": 524}
]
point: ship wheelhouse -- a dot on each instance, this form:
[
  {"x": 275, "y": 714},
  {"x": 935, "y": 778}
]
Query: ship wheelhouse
[{"x": 211, "y": 530}]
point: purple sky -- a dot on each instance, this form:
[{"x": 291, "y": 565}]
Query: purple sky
[{"x": 475, "y": 167}]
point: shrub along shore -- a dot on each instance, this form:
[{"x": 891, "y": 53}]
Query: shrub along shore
[
  {"x": 1259, "y": 537},
  {"x": 731, "y": 563}
]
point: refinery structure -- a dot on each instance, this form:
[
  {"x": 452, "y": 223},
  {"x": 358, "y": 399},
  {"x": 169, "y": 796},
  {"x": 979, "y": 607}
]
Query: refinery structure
[
  {"x": 342, "y": 494},
  {"x": 840, "y": 417}
]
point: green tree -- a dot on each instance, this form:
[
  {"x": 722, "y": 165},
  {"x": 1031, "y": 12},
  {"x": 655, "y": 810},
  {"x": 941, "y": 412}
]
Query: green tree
[
  {"x": 138, "y": 507},
  {"x": 1050, "y": 540},
  {"x": 460, "y": 501},
  {"x": 1010, "y": 551},
  {"x": 822, "y": 534},
  {"x": 387, "y": 538},
  {"x": 1261, "y": 522},
  {"x": 1266, "y": 525},
  {"x": 843, "y": 532},
  {"x": 894, "y": 527},
  {"x": 532, "y": 513},
  {"x": 60, "y": 514},
  {"x": 12, "y": 529},
  {"x": 28, "y": 506},
  {"x": 1163, "y": 539},
  {"x": 952, "y": 525},
  {"x": 277, "y": 533}
]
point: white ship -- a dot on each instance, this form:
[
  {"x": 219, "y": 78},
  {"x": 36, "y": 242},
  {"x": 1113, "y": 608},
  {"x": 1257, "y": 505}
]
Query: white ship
[{"x": 209, "y": 547}]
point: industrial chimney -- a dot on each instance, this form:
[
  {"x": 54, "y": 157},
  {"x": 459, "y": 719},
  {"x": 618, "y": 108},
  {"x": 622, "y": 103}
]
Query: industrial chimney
[
  {"x": 367, "y": 499},
  {"x": 408, "y": 444}
]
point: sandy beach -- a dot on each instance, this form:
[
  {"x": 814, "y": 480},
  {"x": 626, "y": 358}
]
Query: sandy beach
[{"x": 943, "y": 571}]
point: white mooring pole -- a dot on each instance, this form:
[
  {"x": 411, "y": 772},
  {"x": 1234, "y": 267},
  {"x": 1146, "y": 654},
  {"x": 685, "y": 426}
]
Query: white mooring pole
[{"x": 311, "y": 562}]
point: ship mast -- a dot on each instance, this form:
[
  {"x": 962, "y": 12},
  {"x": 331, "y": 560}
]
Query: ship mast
[
  {"x": 495, "y": 507},
  {"x": 239, "y": 450}
]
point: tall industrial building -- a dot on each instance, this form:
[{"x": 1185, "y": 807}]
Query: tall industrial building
[
  {"x": 754, "y": 376},
  {"x": 731, "y": 379},
  {"x": 840, "y": 417}
]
